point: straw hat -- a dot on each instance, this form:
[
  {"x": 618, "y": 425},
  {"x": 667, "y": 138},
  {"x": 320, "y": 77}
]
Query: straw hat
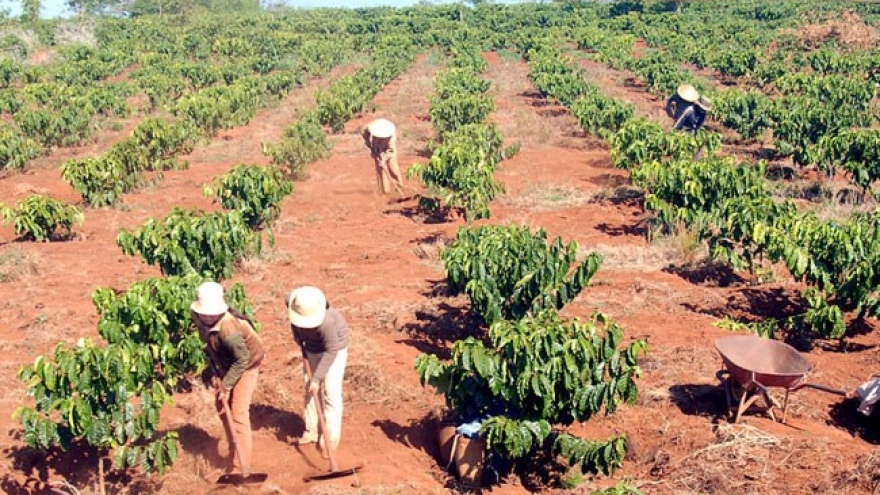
[
  {"x": 704, "y": 103},
  {"x": 381, "y": 128},
  {"x": 306, "y": 307},
  {"x": 209, "y": 300},
  {"x": 688, "y": 93}
]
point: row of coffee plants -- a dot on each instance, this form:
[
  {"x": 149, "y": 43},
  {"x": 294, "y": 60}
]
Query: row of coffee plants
[
  {"x": 349, "y": 95},
  {"x": 305, "y": 142},
  {"x": 533, "y": 373},
  {"x": 42, "y": 218},
  {"x": 730, "y": 206},
  {"x": 460, "y": 172},
  {"x": 109, "y": 396},
  {"x": 633, "y": 140}
]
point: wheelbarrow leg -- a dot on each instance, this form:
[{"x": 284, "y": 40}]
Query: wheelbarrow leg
[
  {"x": 785, "y": 405},
  {"x": 744, "y": 403}
]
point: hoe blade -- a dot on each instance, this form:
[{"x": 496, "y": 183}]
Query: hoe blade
[
  {"x": 240, "y": 479},
  {"x": 329, "y": 475}
]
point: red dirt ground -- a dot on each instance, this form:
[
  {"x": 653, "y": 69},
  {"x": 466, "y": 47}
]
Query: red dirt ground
[{"x": 378, "y": 263}]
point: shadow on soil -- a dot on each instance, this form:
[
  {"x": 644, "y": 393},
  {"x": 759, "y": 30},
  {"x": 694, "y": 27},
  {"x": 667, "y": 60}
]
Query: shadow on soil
[
  {"x": 436, "y": 328},
  {"x": 751, "y": 304},
  {"x": 846, "y": 416},
  {"x": 637, "y": 230},
  {"x": 286, "y": 425},
  {"x": 41, "y": 471},
  {"x": 707, "y": 272},
  {"x": 700, "y": 400}
]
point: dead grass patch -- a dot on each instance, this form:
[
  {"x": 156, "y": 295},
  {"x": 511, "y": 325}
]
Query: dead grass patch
[
  {"x": 865, "y": 475},
  {"x": 366, "y": 383},
  {"x": 846, "y": 28},
  {"x": 546, "y": 197},
  {"x": 666, "y": 367},
  {"x": 431, "y": 247},
  {"x": 744, "y": 459},
  {"x": 17, "y": 263},
  {"x": 634, "y": 258}
]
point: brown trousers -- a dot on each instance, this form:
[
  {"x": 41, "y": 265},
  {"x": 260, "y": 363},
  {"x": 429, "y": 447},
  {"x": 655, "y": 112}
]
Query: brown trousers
[
  {"x": 384, "y": 152},
  {"x": 240, "y": 407}
]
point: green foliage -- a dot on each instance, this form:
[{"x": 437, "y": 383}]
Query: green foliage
[
  {"x": 641, "y": 141},
  {"x": 302, "y": 143},
  {"x": 856, "y": 151},
  {"x": 600, "y": 115},
  {"x": 16, "y": 150},
  {"x": 540, "y": 371},
  {"x": 155, "y": 313},
  {"x": 191, "y": 241},
  {"x": 684, "y": 192},
  {"x": 253, "y": 191},
  {"x": 622, "y": 488},
  {"x": 107, "y": 396},
  {"x": 40, "y": 217},
  {"x": 510, "y": 272},
  {"x": 801, "y": 122},
  {"x": 746, "y": 112},
  {"x": 460, "y": 171}
]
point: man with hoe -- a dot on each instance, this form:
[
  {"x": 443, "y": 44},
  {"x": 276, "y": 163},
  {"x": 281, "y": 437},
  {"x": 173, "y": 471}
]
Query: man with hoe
[
  {"x": 380, "y": 137},
  {"x": 235, "y": 352},
  {"x": 323, "y": 335}
]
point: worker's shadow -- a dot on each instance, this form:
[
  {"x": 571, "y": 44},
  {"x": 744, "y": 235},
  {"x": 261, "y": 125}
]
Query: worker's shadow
[
  {"x": 286, "y": 425},
  {"x": 845, "y": 415},
  {"x": 199, "y": 442},
  {"x": 419, "y": 434}
]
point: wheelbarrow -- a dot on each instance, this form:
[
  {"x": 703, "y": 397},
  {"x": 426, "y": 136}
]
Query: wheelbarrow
[{"x": 753, "y": 365}]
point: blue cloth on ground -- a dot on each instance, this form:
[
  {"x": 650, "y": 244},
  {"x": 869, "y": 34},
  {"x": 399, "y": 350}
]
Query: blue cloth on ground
[{"x": 470, "y": 430}]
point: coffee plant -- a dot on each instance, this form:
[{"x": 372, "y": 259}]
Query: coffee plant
[
  {"x": 253, "y": 191},
  {"x": 42, "y": 218},
  {"x": 535, "y": 374},
  {"x": 191, "y": 241},
  {"x": 510, "y": 272}
]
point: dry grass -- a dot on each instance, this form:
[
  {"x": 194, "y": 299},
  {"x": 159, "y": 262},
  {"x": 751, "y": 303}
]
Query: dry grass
[
  {"x": 743, "y": 459},
  {"x": 430, "y": 248},
  {"x": 17, "y": 263},
  {"x": 366, "y": 381},
  {"x": 546, "y": 197},
  {"x": 865, "y": 475},
  {"x": 666, "y": 367},
  {"x": 847, "y": 29}
]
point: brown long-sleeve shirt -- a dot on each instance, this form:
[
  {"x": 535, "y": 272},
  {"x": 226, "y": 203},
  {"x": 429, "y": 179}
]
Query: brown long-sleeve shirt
[
  {"x": 332, "y": 336},
  {"x": 234, "y": 347}
]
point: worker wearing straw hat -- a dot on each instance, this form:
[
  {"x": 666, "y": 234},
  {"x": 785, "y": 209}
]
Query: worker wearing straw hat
[
  {"x": 235, "y": 353},
  {"x": 687, "y": 108},
  {"x": 323, "y": 335},
  {"x": 381, "y": 138}
]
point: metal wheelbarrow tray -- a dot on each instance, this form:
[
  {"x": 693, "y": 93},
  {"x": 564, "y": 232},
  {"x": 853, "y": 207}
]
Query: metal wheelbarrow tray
[{"x": 756, "y": 364}]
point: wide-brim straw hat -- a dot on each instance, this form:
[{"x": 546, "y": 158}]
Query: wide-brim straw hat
[
  {"x": 307, "y": 307},
  {"x": 209, "y": 300},
  {"x": 704, "y": 103},
  {"x": 688, "y": 93},
  {"x": 381, "y": 128}
]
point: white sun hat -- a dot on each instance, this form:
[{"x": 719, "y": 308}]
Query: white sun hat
[
  {"x": 307, "y": 307},
  {"x": 688, "y": 93},
  {"x": 381, "y": 128},
  {"x": 209, "y": 300}
]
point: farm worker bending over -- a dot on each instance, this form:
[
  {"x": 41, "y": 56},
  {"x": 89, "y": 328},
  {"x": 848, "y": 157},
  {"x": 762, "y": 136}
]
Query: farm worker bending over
[
  {"x": 323, "y": 335},
  {"x": 380, "y": 137},
  {"x": 235, "y": 352},
  {"x": 687, "y": 108}
]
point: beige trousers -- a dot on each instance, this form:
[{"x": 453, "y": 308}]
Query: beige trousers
[
  {"x": 384, "y": 152},
  {"x": 331, "y": 393},
  {"x": 240, "y": 407}
]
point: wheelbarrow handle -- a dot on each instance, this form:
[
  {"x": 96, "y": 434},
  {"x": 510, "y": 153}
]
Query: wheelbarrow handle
[{"x": 823, "y": 388}]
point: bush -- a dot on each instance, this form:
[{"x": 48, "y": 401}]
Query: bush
[{"x": 40, "y": 218}]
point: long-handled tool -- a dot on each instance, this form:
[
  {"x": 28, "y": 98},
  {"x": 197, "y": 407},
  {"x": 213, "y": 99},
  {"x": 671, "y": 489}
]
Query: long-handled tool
[
  {"x": 237, "y": 478},
  {"x": 335, "y": 471}
]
